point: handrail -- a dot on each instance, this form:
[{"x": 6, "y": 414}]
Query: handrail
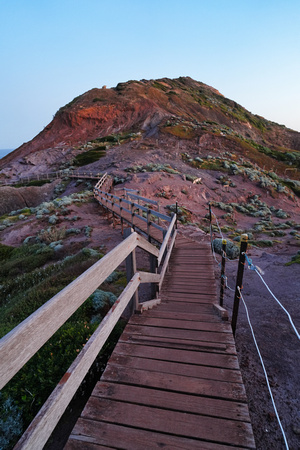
[
  {"x": 19, "y": 345},
  {"x": 165, "y": 242},
  {"x": 138, "y": 197},
  {"x": 50, "y": 175},
  {"x": 114, "y": 203}
]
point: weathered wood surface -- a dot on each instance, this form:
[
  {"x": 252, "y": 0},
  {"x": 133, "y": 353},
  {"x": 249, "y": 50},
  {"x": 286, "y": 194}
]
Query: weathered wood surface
[
  {"x": 173, "y": 380},
  {"x": 127, "y": 214}
]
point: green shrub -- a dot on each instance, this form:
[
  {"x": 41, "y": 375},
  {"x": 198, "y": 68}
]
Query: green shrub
[
  {"x": 294, "y": 260},
  {"x": 90, "y": 156},
  {"x": 232, "y": 250},
  {"x": 5, "y": 252}
]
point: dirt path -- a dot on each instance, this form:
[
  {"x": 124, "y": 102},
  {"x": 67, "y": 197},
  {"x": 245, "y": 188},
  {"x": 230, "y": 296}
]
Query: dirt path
[{"x": 278, "y": 344}]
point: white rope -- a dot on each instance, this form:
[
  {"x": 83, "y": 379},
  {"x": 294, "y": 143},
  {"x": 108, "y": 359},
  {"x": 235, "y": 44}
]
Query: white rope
[
  {"x": 288, "y": 314},
  {"x": 265, "y": 372},
  {"x": 226, "y": 284},
  {"x": 217, "y": 224},
  {"x": 212, "y": 246}
]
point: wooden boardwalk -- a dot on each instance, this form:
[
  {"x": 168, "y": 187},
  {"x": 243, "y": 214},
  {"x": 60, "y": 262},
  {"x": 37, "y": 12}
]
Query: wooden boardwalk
[{"x": 173, "y": 380}]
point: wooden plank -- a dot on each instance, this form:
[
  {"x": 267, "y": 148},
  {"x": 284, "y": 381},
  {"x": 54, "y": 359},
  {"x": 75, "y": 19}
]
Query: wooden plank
[
  {"x": 182, "y": 344},
  {"x": 192, "y": 317},
  {"x": 166, "y": 240},
  {"x": 179, "y": 344},
  {"x": 166, "y": 262},
  {"x": 145, "y": 306},
  {"x": 180, "y": 324},
  {"x": 196, "y": 371},
  {"x": 167, "y": 305},
  {"x": 178, "y": 383},
  {"x": 172, "y": 422},
  {"x": 47, "y": 418},
  {"x": 87, "y": 432},
  {"x": 148, "y": 277},
  {"x": 190, "y": 297},
  {"x": 147, "y": 200},
  {"x": 180, "y": 356},
  {"x": 173, "y": 400},
  {"x": 181, "y": 334},
  {"x": 190, "y": 290}
]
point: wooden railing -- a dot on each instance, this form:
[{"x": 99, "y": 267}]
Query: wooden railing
[
  {"x": 18, "y": 346},
  {"x": 50, "y": 176},
  {"x": 118, "y": 206}
]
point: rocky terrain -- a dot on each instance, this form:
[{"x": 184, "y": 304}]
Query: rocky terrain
[{"x": 179, "y": 141}]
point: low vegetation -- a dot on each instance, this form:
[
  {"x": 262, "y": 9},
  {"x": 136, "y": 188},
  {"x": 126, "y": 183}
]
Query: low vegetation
[{"x": 29, "y": 276}]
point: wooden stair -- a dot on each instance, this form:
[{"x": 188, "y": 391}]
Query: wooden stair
[{"x": 173, "y": 380}]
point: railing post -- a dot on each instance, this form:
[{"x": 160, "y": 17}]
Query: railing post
[
  {"x": 224, "y": 242},
  {"x": 153, "y": 269},
  {"x": 132, "y": 215},
  {"x": 130, "y": 271},
  {"x": 176, "y": 212},
  {"x": 148, "y": 225},
  {"x": 239, "y": 281}
]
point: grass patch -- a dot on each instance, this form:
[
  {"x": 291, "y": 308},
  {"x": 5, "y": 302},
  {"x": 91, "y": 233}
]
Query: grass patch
[
  {"x": 24, "y": 259},
  {"x": 21, "y": 295},
  {"x": 33, "y": 183},
  {"x": 90, "y": 156},
  {"x": 261, "y": 243},
  {"x": 180, "y": 131},
  {"x": 294, "y": 260}
]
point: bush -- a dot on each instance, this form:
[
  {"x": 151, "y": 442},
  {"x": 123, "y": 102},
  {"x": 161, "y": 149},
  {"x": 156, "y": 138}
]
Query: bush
[
  {"x": 232, "y": 250},
  {"x": 11, "y": 423}
]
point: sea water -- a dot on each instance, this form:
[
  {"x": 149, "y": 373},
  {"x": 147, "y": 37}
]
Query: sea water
[{"x": 4, "y": 152}]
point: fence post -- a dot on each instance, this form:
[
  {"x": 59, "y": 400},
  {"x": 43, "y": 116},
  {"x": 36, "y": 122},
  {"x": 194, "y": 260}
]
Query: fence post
[
  {"x": 210, "y": 227},
  {"x": 153, "y": 269},
  {"x": 239, "y": 281},
  {"x": 224, "y": 242},
  {"x": 176, "y": 212},
  {"x": 130, "y": 271},
  {"x": 148, "y": 225}
]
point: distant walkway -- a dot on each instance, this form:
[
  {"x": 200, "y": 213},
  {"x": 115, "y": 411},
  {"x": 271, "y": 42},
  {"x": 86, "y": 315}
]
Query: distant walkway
[
  {"x": 89, "y": 175},
  {"x": 173, "y": 380}
]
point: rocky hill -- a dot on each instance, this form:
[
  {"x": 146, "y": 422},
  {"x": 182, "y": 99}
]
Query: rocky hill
[{"x": 182, "y": 108}]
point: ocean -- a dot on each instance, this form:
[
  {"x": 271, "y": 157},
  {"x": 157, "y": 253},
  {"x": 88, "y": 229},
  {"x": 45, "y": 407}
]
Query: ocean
[{"x": 5, "y": 151}]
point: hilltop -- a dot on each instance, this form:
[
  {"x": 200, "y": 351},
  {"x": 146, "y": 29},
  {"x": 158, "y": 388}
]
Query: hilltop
[{"x": 182, "y": 108}]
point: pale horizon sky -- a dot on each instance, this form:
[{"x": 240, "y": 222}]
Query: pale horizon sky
[{"x": 54, "y": 51}]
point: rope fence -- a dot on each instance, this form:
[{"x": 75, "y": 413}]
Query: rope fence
[{"x": 242, "y": 261}]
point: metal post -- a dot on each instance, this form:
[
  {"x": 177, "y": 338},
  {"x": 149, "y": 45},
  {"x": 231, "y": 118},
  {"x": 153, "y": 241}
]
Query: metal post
[
  {"x": 224, "y": 242},
  {"x": 176, "y": 211},
  {"x": 239, "y": 281}
]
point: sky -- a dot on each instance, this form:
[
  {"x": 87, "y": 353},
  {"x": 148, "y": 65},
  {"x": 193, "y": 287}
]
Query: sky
[{"x": 52, "y": 51}]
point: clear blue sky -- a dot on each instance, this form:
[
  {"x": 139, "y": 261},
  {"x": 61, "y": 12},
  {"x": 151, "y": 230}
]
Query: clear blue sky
[{"x": 52, "y": 51}]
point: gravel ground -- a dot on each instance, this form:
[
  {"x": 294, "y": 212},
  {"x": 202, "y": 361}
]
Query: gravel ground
[{"x": 278, "y": 344}]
